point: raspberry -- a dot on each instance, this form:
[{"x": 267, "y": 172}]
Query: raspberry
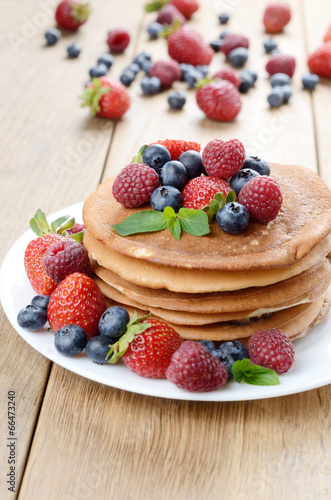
[
  {"x": 228, "y": 74},
  {"x": 271, "y": 349},
  {"x": 319, "y": 62},
  {"x": 167, "y": 72},
  {"x": 262, "y": 197},
  {"x": 134, "y": 185},
  {"x": 223, "y": 158},
  {"x": 281, "y": 63},
  {"x": 199, "y": 191},
  {"x": 177, "y": 146},
  {"x": 233, "y": 41},
  {"x": 194, "y": 369},
  {"x": 168, "y": 14},
  {"x": 77, "y": 228},
  {"x": 118, "y": 40},
  {"x": 276, "y": 16},
  {"x": 220, "y": 101},
  {"x": 66, "y": 257}
]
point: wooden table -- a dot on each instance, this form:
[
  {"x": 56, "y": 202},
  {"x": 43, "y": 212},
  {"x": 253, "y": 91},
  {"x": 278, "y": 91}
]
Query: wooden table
[{"x": 77, "y": 439}]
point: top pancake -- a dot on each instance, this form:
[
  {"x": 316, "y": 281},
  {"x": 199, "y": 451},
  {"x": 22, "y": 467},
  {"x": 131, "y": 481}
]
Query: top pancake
[{"x": 304, "y": 219}]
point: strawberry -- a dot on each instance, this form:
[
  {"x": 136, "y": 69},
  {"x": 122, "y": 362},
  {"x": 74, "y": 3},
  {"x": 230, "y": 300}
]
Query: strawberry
[
  {"x": 167, "y": 72},
  {"x": 276, "y": 16},
  {"x": 319, "y": 62},
  {"x": 186, "y": 45},
  {"x": 106, "y": 97},
  {"x": 176, "y": 146},
  {"x": 71, "y": 14},
  {"x": 146, "y": 346},
  {"x": 220, "y": 101},
  {"x": 327, "y": 36},
  {"x": 199, "y": 191},
  {"x": 281, "y": 63},
  {"x": 227, "y": 74},
  {"x": 186, "y": 7},
  {"x": 77, "y": 300}
]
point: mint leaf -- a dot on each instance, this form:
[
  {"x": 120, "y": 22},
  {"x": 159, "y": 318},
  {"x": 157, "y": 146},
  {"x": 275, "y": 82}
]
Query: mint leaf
[
  {"x": 193, "y": 221},
  {"x": 141, "y": 222},
  {"x": 253, "y": 374},
  {"x": 169, "y": 213},
  {"x": 174, "y": 227}
]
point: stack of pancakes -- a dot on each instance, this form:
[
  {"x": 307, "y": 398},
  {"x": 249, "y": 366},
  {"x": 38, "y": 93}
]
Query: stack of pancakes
[{"x": 221, "y": 286}]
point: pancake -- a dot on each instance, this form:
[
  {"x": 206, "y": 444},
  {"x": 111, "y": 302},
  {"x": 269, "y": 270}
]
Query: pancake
[
  {"x": 303, "y": 221},
  {"x": 151, "y": 275},
  {"x": 308, "y": 284}
]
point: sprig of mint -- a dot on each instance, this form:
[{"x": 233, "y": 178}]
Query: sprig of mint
[
  {"x": 134, "y": 327},
  {"x": 218, "y": 202},
  {"x": 189, "y": 220},
  {"x": 253, "y": 374}
]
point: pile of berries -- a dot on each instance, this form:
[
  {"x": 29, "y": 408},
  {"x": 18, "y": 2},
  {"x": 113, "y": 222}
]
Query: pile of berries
[{"x": 175, "y": 174}]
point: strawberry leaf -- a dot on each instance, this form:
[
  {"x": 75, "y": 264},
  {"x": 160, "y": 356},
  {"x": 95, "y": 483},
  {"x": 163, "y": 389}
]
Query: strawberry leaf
[
  {"x": 138, "y": 158},
  {"x": 253, "y": 374}
]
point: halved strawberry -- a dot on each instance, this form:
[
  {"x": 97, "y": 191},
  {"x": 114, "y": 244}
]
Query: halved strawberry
[{"x": 176, "y": 147}]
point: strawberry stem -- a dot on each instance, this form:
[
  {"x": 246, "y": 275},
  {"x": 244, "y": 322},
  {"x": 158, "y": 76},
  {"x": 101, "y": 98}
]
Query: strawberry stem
[
  {"x": 79, "y": 12},
  {"x": 92, "y": 95}
]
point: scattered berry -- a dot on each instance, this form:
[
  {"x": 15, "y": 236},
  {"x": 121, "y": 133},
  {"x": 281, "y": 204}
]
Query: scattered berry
[
  {"x": 71, "y": 14},
  {"x": 219, "y": 100},
  {"x": 70, "y": 340},
  {"x": 281, "y": 63},
  {"x": 279, "y": 79},
  {"x": 118, "y": 39},
  {"x": 141, "y": 58},
  {"x": 168, "y": 14},
  {"x": 224, "y": 34},
  {"x": 186, "y": 45},
  {"x": 106, "y": 59},
  {"x": 41, "y": 301},
  {"x": 77, "y": 300},
  {"x": 269, "y": 45},
  {"x": 216, "y": 45},
  {"x": 154, "y": 29},
  {"x": 106, "y": 97},
  {"x": 146, "y": 66},
  {"x": 150, "y": 85},
  {"x": 127, "y": 77},
  {"x": 199, "y": 191},
  {"x": 74, "y": 50},
  {"x": 134, "y": 67},
  {"x": 271, "y": 349},
  {"x": 52, "y": 36},
  {"x": 156, "y": 155},
  {"x": 223, "y": 17},
  {"x": 186, "y": 7},
  {"x": 134, "y": 185},
  {"x": 309, "y": 81},
  {"x": 32, "y": 318},
  {"x": 229, "y": 352},
  {"x": 223, "y": 158},
  {"x": 192, "y": 161},
  {"x": 276, "y": 16},
  {"x": 191, "y": 76},
  {"x": 177, "y": 146},
  {"x": 287, "y": 91},
  {"x": 227, "y": 74},
  {"x": 276, "y": 97},
  {"x": 113, "y": 323},
  {"x": 98, "y": 71},
  {"x": 258, "y": 164},
  {"x": 65, "y": 257},
  {"x": 239, "y": 179},
  {"x": 246, "y": 81},
  {"x": 176, "y": 100},
  {"x": 233, "y": 218},
  {"x": 319, "y": 62},
  {"x": 166, "y": 196},
  {"x": 262, "y": 197},
  {"x": 97, "y": 349},
  {"x": 194, "y": 369},
  {"x": 173, "y": 173},
  {"x": 166, "y": 71},
  {"x": 238, "y": 57},
  {"x": 233, "y": 41}
]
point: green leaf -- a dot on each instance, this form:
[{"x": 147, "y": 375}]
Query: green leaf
[
  {"x": 39, "y": 224},
  {"x": 76, "y": 236},
  {"x": 141, "y": 222},
  {"x": 253, "y": 374},
  {"x": 138, "y": 158},
  {"x": 169, "y": 213},
  {"x": 58, "y": 222},
  {"x": 155, "y": 5},
  {"x": 193, "y": 221},
  {"x": 175, "y": 228},
  {"x": 230, "y": 197}
]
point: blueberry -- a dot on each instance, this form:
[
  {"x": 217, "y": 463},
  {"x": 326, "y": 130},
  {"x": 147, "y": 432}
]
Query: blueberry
[
  {"x": 246, "y": 82},
  {"x": 106, "y": 59},
  {"x": 229, "y": 352},
  {"x": 143, "y": 56},
  {"x": 238, "y": 57},
  {"x": 224, "y": 34},
  {"x": 113, "y": 323},
  {"x": 239, "y": 179},
  {"x": 156, "y": 156},
  {"x": 74, "y": 50},
  {"x": 70, "y": 340},
  {"x": 52, "y": 35},
  {"x": 97, "y": 71},
  {"x": 276, "y": 98},
  {"x": 258, "y": 164},
  {"x": 192, "y": 161},
  {"x": 223, "y": 17},
  {"x": 269, "y": 45},
  {"x": 41, "y": 301},
  {"x": 32, "y": 318},
  {"x": 309, "y": 81},
  {"x": 233, "y": 218},
  {"x": 176, "y": 100},
  {"x": 185, "y": 68},
  {"x": 97, "y": 349},
  {"x": 150, "y": 85},
  {"x": 274, "y": 52},
  {"x": 203, "y": 69},
  {"x": 154, "y": 29},
  {"x": 191, "y": 76},
  {"x": 208, "y": 345},
  {"x": 216, "y": 45},
  {"x": 146, "y": 66},
  {"x": 250, "y": 72},
  {"x": 134, "y": 67},
  {"x": 279, "y": 79},
  {"x": 127, "y": 77},
  {"x": 287, "y": 91},
  {"x": 166, "y": 196},
  {"x": 173, "y": 173}
]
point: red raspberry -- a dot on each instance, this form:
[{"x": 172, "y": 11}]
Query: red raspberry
[
  {"x": 223, "y": 158},
  {"x": 134, "y": 185},
  {"x": 77, "y": 228},
  {"x": 262, "y": 197},
  {"x": 199, "y": 191},
  {"x": 168, "y": 14},
  {"x": 66, "y": 257},
  {"x": 194, "y": 369},
  {"x": 319, "y": 62},
  {"x": 276, "y": 16},
  {"x": 167, "y": 71},
  {"x": 281, "y": 63},
  {"x": 233, "y": 41},
  {"x": 118, "y": 40},
  {"x": 228, "y": 74},
  {"x": 271, "y": 349},
  {"x": 177, "y": 146},
  {"x": 220, "y": 101}
]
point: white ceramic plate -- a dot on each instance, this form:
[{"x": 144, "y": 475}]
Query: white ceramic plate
[{"x": 312, "y": 367}]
